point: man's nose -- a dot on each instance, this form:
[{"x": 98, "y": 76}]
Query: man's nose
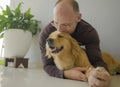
[{"x": 59, "y": 28}]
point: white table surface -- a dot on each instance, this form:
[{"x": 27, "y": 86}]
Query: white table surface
[{"x": 36, "y": 77}]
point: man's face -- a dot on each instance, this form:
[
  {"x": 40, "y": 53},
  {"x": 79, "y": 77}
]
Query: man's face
[
  {"x": 65, "y": 19},
  {"x": 65, "y": 24}
]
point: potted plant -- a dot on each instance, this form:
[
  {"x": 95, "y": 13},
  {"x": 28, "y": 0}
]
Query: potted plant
[{"x": 22, "y": 25}]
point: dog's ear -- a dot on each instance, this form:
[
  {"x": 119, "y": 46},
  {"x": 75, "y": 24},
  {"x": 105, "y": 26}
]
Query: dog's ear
[
  {"x": 48, "y": 53},
  {"x": 75, "y": 47}
]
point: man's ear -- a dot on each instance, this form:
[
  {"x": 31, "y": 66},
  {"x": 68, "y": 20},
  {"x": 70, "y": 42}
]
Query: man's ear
[{"x": 79, "y": 17}]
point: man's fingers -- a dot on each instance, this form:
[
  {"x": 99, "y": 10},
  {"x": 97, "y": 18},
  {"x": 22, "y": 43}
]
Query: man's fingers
[
  {"x": 82, "y": 77},
  {"x": 81, "y": 71}
]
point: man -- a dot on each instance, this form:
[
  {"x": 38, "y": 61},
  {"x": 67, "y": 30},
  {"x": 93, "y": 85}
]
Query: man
[{"x": 66, "y": 18}]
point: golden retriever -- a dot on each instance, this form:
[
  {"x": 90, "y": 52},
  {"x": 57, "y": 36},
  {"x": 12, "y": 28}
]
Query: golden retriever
[{"x": 67, "y": 53}]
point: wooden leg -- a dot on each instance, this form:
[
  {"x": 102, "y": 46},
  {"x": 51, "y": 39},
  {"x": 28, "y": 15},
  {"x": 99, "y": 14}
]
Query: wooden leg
[
  {"x": 8, "y": 60},
  {"x": 23, "y": 61}
]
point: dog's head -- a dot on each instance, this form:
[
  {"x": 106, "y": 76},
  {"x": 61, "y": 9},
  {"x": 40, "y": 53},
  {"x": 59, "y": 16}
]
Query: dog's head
[{"x": 58, "y": 43}]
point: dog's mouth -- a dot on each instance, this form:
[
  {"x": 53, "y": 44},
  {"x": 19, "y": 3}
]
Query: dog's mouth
[{"x": 56, "y": 49}]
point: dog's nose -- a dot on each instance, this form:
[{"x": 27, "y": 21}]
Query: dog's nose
[{"x": 50, "y": 40}]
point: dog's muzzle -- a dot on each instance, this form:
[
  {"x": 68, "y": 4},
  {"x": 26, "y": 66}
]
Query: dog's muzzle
[{"x": 52, "y": 46}]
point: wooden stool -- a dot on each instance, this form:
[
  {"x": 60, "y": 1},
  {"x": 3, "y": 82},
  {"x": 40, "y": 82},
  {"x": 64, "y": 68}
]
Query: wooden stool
[
  {"x": 23, "y": 61},
  {"x": 8, "y": 60},
  {"x": 17, "y": 61}
]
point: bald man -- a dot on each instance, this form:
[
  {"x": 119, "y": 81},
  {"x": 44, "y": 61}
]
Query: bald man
[{"x": 67, "y": 18}]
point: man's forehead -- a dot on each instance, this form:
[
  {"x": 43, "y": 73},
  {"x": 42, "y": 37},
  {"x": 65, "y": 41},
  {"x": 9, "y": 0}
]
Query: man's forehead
[{"x": 63, "y": 8}]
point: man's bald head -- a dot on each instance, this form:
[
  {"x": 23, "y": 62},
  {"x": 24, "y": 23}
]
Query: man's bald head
[
  {"x": 72, "y": 3},
  {"x": 66, "y": 13}
]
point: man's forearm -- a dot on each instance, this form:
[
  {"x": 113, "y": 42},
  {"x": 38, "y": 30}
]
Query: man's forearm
[{"x": 52, "y": 70}]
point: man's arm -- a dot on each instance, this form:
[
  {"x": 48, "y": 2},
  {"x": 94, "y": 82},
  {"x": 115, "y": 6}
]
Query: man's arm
[
  {"x": 93, "y": 50},
  {"x": 48, "y": 63}
]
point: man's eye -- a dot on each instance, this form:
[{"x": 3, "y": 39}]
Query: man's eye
[
  {"x": 60, "y": 36},
  {"x": 64, "y": 25}
]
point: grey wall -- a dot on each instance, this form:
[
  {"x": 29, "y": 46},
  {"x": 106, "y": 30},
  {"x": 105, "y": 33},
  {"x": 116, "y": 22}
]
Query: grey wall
[{"x": 104, "y": 15}]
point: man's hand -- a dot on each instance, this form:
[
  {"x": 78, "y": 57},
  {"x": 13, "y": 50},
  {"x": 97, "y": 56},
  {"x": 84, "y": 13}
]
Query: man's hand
[
  {"x": 76, "y": 74},
  {"x": 99, "y": 77}
]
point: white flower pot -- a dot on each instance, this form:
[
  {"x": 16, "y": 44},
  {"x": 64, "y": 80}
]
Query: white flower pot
[{"x": 17, "y": 42}]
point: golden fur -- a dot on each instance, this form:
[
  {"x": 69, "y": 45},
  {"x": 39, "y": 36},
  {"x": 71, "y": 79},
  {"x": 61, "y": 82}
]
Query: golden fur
[{"x": 68, "y": 54}]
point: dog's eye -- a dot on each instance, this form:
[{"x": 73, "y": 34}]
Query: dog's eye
[{"x": 60, "y": 36}]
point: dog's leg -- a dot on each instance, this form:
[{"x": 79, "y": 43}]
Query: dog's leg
[
  {"x": 115, "y": 69},
  {"x": 87, "y": 73}
]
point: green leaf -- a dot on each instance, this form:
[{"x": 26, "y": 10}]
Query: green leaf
[
  {"x": 28, "y": 14},
  {"x": 17, "y": 11},
  {"x": 17, "y": 19}
]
